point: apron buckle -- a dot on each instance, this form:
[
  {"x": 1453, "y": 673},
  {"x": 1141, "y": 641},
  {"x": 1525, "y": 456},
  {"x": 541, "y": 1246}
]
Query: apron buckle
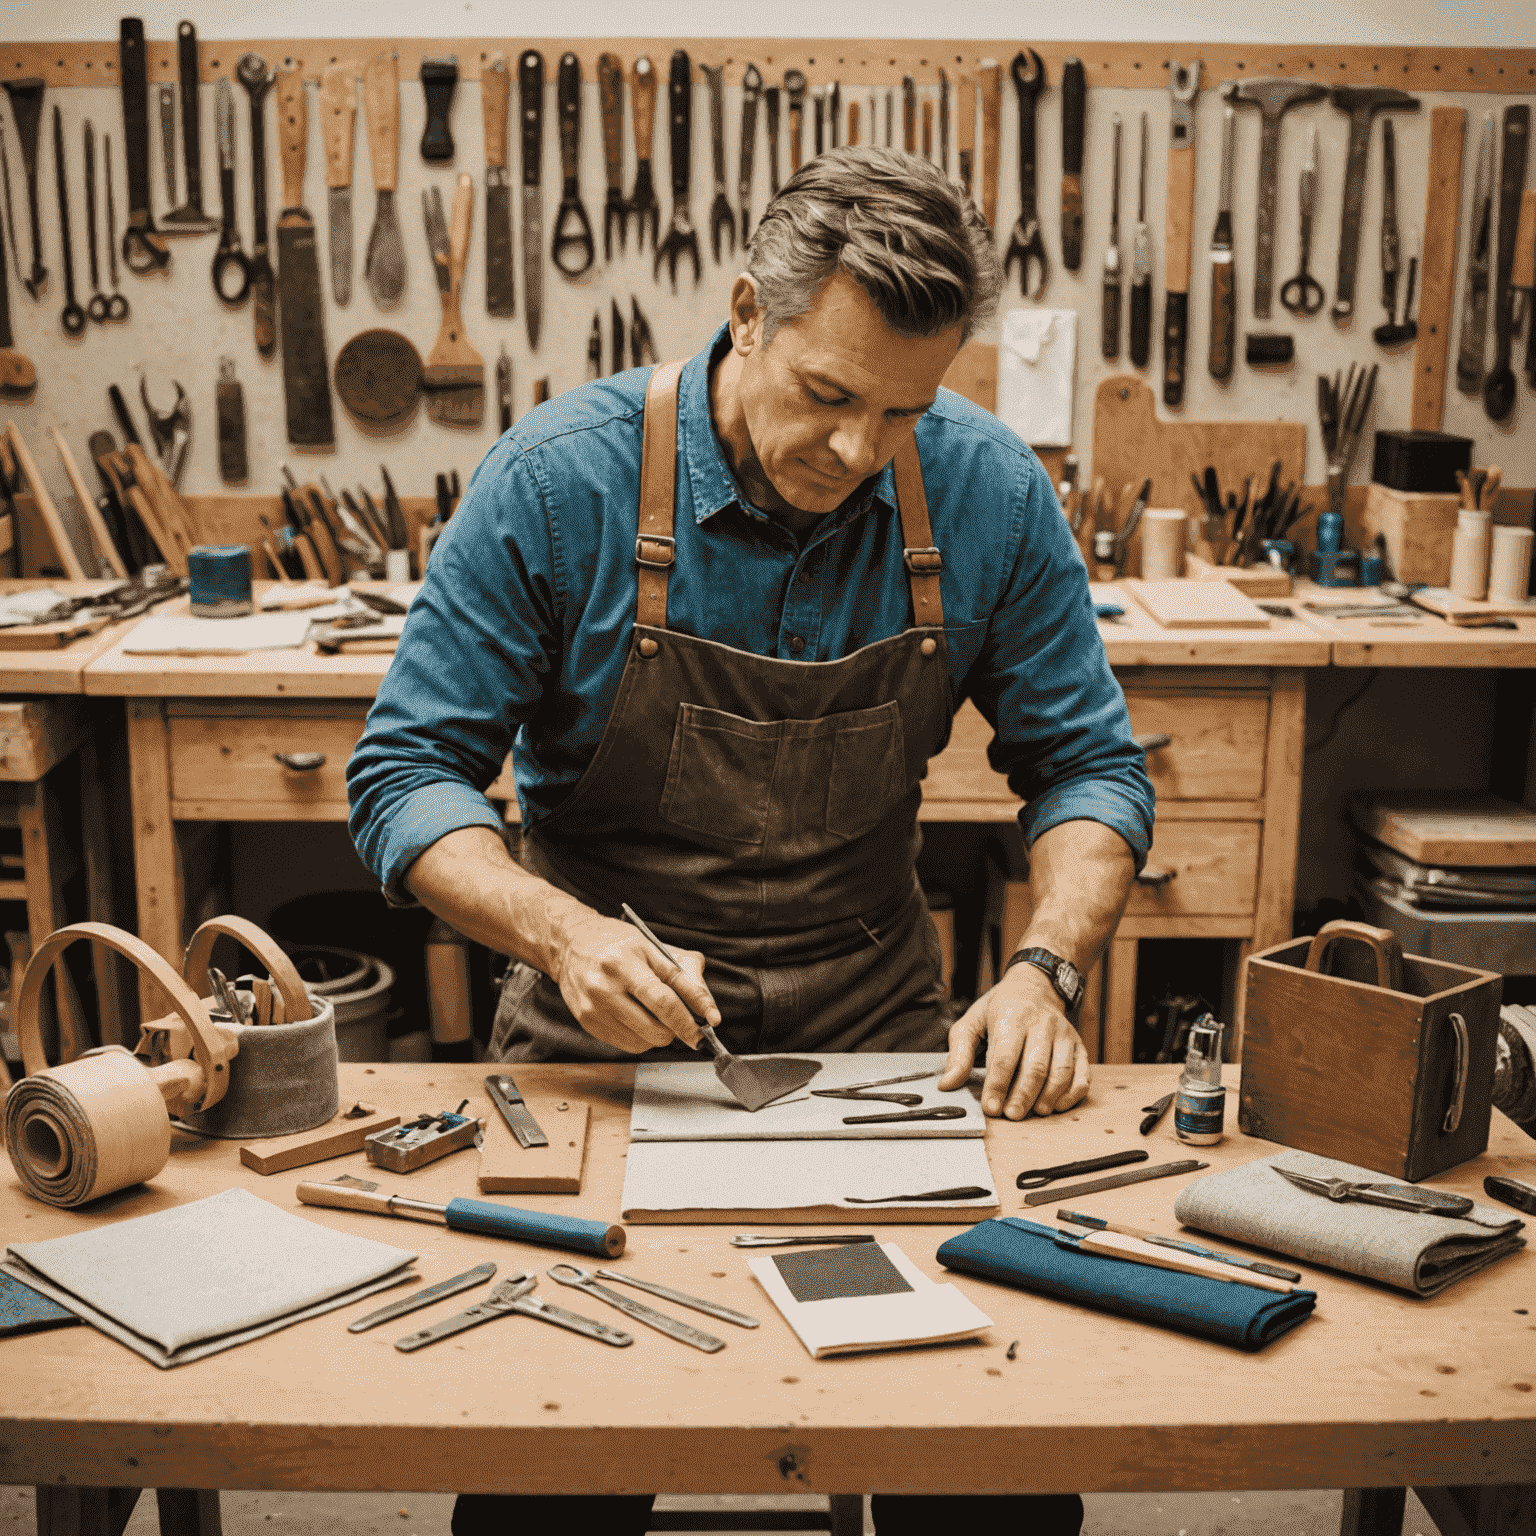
[
  {"x": 657, "y": 552},
  {"x": 924, "y": 562}
]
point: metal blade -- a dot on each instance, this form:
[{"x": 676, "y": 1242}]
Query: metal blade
[
  {"x": 301, "y": 313},
  {"x": 385, "y": 265},
  {"x": 504, "y": 1094},
  {"x": 533, "y": 261},
  {"x": 341, "y": 243},
  {"x": 425, "y": 1297},
  {"x": 756, "y": 1081},
  {"x": 500, "y": 285}
]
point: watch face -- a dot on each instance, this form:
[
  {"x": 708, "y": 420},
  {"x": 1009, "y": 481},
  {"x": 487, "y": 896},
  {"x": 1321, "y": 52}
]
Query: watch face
[{"x": 1068, "y": 979}]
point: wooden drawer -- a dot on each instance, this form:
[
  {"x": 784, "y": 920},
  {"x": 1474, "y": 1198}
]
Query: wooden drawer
[
  {"x": 1215, "y": 867},
  {"x": 1217, "y": 750},
  {"x": 225, "y": 765},
  {"x": 37, "y": 733}
]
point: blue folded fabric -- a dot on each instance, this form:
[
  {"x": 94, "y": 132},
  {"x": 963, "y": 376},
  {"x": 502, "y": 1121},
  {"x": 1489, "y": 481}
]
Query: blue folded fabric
[
  {"x": 23, "y": 1310},
  {"x": 1026, "y": 1254}
]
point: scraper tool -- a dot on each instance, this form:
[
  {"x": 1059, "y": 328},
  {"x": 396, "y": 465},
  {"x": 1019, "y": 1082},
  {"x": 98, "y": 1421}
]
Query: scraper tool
[{"x": 753, "y": 1082}]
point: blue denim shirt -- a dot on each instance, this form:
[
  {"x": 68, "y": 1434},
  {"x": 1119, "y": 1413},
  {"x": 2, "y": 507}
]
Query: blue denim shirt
[{"x": 522, "y": 627}]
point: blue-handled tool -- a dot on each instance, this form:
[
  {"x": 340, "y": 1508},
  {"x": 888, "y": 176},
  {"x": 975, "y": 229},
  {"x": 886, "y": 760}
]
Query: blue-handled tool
[{"x": 541, "y": 1228}]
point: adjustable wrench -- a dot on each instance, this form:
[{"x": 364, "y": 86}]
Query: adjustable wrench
[
  {"x": 1026, "y": 244},
  {"x": 719, "y": 210}
]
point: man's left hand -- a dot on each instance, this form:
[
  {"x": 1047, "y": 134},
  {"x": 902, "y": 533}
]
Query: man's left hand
[{"x": 1036, "y": 1060}]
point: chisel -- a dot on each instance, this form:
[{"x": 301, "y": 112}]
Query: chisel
[
  {"x": 1178, "y": 237},
  {"x": 1223, "y": 277},
  {"x": 1141, "y": 268},
  {"x": 1109, "y": 314},
  {"x": 338, "y": 125},
  {"x": 500, "y": 285},
  {"x": 1074, "y": 94},
  {"x": 542, "y": 1229},
  {"x": 301, "y": 310},
  {"x": 530, "y": 87}
]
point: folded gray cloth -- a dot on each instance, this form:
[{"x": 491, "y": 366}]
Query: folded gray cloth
[
  {"x": 1420, "y": 1254},
  {"x": 183, "y": 1283}
]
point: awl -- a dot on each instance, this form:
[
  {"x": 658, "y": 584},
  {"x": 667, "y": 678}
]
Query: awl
[{"x": 1074, "y": 98}]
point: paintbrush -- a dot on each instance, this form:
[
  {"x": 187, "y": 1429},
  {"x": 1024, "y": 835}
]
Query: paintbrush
[{"x": 454, "y": 376}]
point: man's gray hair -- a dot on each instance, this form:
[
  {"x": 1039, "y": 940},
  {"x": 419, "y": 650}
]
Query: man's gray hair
[{"x": 895, "y": 224}]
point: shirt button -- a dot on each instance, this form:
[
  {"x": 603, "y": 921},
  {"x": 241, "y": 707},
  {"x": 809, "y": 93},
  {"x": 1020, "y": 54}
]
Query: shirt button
[{"x": 796, "y": 644}]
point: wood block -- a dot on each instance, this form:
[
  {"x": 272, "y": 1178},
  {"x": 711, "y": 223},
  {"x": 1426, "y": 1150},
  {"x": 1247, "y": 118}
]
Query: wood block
[
  {"x": 1198, "y": 605},
  {"x": 339, "y": 1137},
  {"x": 1458, "y": 827},
  {"x": 37, "y": 733},
  {"x": 507, "y": 1168},
  {"x": 48, "y": 637},
  {"x": 1469, "y": 612},
  {"x": 1419, "y": 528},
  {"x": 1254, "y": 580}
]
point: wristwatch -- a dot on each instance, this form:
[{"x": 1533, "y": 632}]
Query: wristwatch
[{"x": 1065, "y": 976}]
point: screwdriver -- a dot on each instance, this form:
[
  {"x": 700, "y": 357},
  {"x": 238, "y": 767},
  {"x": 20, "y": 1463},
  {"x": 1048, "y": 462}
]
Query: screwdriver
[
  {"x": 1141, "y": 268},
  {"x": 1110, "y": 313}
]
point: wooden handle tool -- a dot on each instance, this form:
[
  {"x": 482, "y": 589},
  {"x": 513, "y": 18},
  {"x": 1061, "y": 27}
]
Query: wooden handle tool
[
  {"x": 46, "y": 509},
  {"x": 381, "y": 113},
  {"x": 105, "y": 548},
  {"x": 1437, "y": 267},
  {"x": 990, "y": 77}
]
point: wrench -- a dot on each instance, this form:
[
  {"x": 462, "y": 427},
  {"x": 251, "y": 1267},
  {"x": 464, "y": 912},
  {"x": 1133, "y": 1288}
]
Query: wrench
[
  {"x": 98, "y": 308},
  {"x": 253, "y": 74},
  {"x": 794, "y": 90},
  {"x": 719, "y": 210},
  {"x": 568, "y": 100},
  {"x": 229, "y": 257},
  {"x": 681, "y": 235},
  {"x": 1026, "y": 244},
  {"x": 771, "y": 128},
  {"x": 144, "y": 247},
  {"x": 117, "y": 305},
  {"x": 751, "y": 90},
  {"x": 172, "y": 431},
  {"x": 685, "y": 1333},
  {"x": 72, "y": 317},
  {"x": 642, "y": 201},
  {"x": 610, "y": 81}
]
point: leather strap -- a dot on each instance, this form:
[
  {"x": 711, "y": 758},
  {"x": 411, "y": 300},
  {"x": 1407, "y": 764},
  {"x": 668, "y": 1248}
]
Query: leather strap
[
  {"x": 923, "y": 560},
  {"x": 655, "y": 548}
]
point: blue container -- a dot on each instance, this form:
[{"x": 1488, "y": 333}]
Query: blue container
[
  {"x": 1330, "y": 533},
  {"x": 221, "y": 580}
]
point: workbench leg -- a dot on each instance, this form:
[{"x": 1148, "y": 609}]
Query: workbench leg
[
  {"x": 42, "y": 852},
  {"x": 156, "y": 879},
  {"x": 96, "y": 844},
  {"x": 84, "y": 1511},
  {"x": 1119, "y": 1000},
  {"x": 189, "y": 1511},
  {"x": 1373, "y": 1511},
  {"x": 846, "y": 1514},
  {"x": 1090, "y": 1021},
  {"x": 1491, "y": 1510}
]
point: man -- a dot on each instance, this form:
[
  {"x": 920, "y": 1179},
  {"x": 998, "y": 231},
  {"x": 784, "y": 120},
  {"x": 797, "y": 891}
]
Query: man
[{"x": 728, "y": 615}]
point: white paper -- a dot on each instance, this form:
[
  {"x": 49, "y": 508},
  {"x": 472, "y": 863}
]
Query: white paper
[
  {"x": 844, "y": 1325},
  {"x": 685, "y": 1101},
  {"x": 1036, "y": 360},
  {"x": 28, "y": 606},
  {"x": 182, "y": 635}
]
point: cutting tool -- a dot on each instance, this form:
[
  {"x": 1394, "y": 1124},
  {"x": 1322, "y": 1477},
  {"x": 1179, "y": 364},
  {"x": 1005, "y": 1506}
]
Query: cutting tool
[
  {"x": 1400, "y": 1197},
  {"x": 504, "y": 1094},
  {"x": 1038, "y": 1178},
  {"x": 514, "y": 1295},
  {"x": 425, "y": 1297}
]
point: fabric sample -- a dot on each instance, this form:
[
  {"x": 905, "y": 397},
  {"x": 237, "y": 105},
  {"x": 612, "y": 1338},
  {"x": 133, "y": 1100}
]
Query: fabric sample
[
  {"x": 860, "y": 1269},
  {"x": 1419, "y": 1254},
  {"x": 1025, "y": 1254},
  {"x": 25, "y": 1310}
]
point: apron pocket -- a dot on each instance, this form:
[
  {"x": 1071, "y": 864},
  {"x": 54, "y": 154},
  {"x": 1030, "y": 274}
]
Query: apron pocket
[
  {"x": 868, "y": 777},
  {"x": 720, "y": 775}
]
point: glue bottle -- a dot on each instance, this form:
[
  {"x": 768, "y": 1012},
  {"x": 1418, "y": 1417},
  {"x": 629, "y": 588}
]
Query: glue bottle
[{"x": 1200, "y": 1107}]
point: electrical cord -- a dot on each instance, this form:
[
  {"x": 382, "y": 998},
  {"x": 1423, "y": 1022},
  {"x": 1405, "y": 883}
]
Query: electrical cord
[{"x": 1341, "y": 711}]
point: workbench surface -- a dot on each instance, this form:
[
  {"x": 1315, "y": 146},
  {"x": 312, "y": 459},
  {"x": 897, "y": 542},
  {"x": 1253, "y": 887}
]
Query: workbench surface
[
  {"x": 1375, "y": 1389},
  {"x": 59, "y": 669}
]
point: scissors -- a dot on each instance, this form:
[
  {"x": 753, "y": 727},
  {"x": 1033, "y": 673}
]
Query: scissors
[
  {"x": 1303, "y": 294},
  {"x": 1400, "y": 1197}
]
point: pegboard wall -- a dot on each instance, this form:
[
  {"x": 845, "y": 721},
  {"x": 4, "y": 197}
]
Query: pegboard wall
[{"x": 179, "y": 328}]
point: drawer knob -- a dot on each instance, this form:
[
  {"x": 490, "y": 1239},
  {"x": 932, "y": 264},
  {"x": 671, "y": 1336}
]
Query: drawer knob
[
  {"x": 1156, "y": 876},
  {"x": 1152, "y": 741},
  {"x": 301, "y": 762}
]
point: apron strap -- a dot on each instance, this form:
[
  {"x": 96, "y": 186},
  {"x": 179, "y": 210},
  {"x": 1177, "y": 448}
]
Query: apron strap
[
  {"x": 923, "y": 559},
  {"x": 655, "y": 548}
]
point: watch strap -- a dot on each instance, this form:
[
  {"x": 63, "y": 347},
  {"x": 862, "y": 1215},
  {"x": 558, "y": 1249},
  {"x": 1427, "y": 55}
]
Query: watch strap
[{"x": 1045, "y": 960}]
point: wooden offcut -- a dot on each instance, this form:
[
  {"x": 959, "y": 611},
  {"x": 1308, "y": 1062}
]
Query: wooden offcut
[
  {"x": 507, "y": 1168},
  {"x": 1418, "y": 527},
  {"x": 1198, "y": 605},
  {"x": 1453, "y": 828},
  {"x": 336, "y": 1139},
  {"x": 1251, "y": 580},
  {"x": 1437, "y": 270}
]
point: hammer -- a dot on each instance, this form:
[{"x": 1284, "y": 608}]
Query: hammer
[
  {"x": 1273, "y": 96},
  {"x": 1362, "y": 103}
]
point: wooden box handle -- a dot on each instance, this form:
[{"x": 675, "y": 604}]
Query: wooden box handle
[{"x": 1388, "y": 947}]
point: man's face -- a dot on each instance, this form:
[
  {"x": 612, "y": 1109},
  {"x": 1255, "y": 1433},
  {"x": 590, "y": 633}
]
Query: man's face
[{"x": 835, "y": 393}]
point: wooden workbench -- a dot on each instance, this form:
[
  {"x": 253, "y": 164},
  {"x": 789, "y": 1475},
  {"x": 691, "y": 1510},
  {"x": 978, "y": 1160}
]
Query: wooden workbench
[{"x": 1376, "y": 1390}]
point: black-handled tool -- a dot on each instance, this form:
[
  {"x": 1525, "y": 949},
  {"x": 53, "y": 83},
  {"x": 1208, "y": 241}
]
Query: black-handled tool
[
  {"x": 935, "y": 1112},
  {"x": 1141, "y": 267},
  {"x": 681, "y": 235},
  {"x": 98, "y": 306},
  {"x": 1074, "y": 99},
  {"x": 256, "y": 78},
  {"x": 27, "y": 109},
  {"x": 231, "y": 266},
  {"x": 610, "y": 95},
  {"x": 751, "y": 94},
  {"x": 1038, "y": 1178},
  {"x": 72, "y": 318},
  {"x": 1116, "y": 1181},
  {"x": 1513, "y": 1192},
  {"x": 144, "y": 247},
  {"x": 530, "y": 99},
  {"x": 961, "y": 1192},
  {"x": 439, "y": 77},
  {"x": 720, "y": 214},
  {"x": 1026, "y": 245},
  {"x": 1152, "y": 1113},
  {"x": 1499, "y": 386},
  {"x": 573, "y": 230},
  {"x": 1109, "y": 311},
  {"x": 189, "y": 219}
]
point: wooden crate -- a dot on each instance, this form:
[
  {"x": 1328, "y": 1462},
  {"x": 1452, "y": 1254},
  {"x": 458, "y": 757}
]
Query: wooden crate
[{"x": 1419, "y": 528}]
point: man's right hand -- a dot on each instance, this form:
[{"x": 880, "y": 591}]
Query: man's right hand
[{"x": 624, "y": 993}]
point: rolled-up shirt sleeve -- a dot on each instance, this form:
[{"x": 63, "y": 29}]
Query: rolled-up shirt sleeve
[
  {"x": 479, "y": 642},
  {"x": 1043, "y": 682}
]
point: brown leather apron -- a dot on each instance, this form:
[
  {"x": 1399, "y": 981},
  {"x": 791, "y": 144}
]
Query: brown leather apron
[{"x": 761, "y": 811}]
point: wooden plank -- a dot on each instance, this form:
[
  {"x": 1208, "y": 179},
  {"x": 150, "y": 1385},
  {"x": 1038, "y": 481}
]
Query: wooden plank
[
  {"x": 109, "y": 968},
  {"x": 1185, "y": 926},
  {"x": 1437, "y": 269},
  {"x": 1090, "y": 1019},
  {"x": 506, "y": 1168},
  {"x": 1256, "y": 580},
  {"x": 1453, "y": 827},
  {"x": 344, "y": 1134},
  {"x": 48, "y": 866},
  {"x": 157, "y": 880},
  {"x": 1198, "y": 605},
  {"x": 1285, "y": 755},
  {"x": 56, "y": 529},
  {"x": 260, "y": 810},
  {"x": 1119, "y": 999},
  {"x": 106, "y": 550},
  {"x": 1466, "y": 612},
  {"x": 857, "y": 61},
  {"x": 37, "y": 733}
]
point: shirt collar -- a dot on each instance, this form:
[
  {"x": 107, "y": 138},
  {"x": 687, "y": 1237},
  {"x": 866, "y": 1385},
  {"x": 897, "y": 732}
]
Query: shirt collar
[{"x": 710, "y": 482}]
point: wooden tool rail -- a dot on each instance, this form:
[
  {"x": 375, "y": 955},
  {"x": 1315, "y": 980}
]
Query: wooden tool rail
[{"x": 854, "y": 61}]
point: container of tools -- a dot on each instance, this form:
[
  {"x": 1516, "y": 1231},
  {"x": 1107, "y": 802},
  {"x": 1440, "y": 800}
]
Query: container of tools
[{"x": 1393, "y": 1071}]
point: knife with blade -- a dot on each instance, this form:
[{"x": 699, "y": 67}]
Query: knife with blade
[
  {"x": 504, "y": 1094},
  {"x": 1074, "y": 96},
  {"x": 500, "y": 284},
  {"x": 1223, "y": 340},
  {"x": 384, "y": 264},
  {"x": 530, "y": 84},
  {"x": 338, "y": 125},
  {"x": 425, "y": 1297},
  {"x": 301, "y": 309}
]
